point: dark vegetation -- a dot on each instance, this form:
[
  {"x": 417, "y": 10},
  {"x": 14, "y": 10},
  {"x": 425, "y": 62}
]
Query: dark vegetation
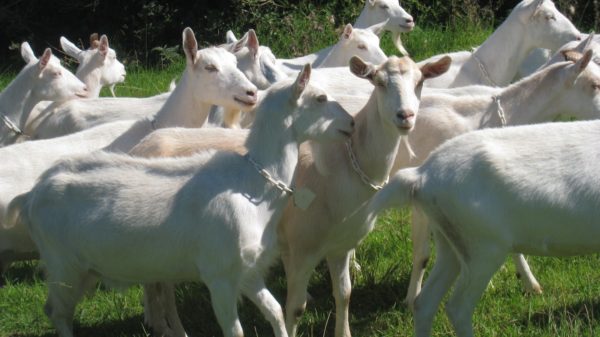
[{"x": 145, "y": 32}]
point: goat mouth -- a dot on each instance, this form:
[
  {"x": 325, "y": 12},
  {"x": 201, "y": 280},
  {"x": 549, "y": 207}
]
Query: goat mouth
[
  {"x": 347, "y": 134},
  {"x": 248, "y": 103},
  {"x": 408, "y": 27},
  {"x": 81, "y": 95}
]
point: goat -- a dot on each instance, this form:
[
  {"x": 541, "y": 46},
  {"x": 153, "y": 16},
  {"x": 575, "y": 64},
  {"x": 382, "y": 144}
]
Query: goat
[
  {"x": 98, "y": 65},
  {"x": 222, "y": 204},
  {"x": 76, "y": 115},
  {"x": 528, "y": 189},
  {"x": 531, "y": 24},
  {"x": 565, "y": 88},
  {"x": 43, "y": 79},
  {"x": 398, "y": 20},
  {"x": 210, "y": 78},
  {"x": 308, "y": 236},
  {"x": 353, "y": 41}
]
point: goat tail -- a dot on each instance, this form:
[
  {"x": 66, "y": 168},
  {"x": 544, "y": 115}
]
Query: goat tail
[
  {"x": 397, "y": 193},
  {"x": 15, "y": 211}
]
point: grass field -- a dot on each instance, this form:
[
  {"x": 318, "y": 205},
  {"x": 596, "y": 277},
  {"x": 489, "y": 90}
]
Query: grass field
[{"x": 567, "y": 308}]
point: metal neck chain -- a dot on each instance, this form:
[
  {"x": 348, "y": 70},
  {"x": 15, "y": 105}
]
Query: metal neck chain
[
  {"x": 500, "y": 110},
  {"x": 363, "y": 176},
  {"x": 278, "y": 183},
  {"x": 484, "y": 71},
  {"x": 153, "y": 123},
  {"x": 11, "y": 126}
]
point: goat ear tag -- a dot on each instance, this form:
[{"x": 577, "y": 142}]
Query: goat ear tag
[{"x": 303, "y": 197}]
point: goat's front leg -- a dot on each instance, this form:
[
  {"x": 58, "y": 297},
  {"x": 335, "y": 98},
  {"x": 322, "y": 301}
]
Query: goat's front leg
[
  {"x": 421, "y": 252},
  {"x": 530, "y": 284},
  {"x": 297, "y": 274},
  {"x": 256, "y": 290},
  {"x": 339, "y": 270}
]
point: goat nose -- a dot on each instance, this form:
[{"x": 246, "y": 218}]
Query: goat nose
[
  {"x": 405, "y": 114},
  {"x": 251, "y": 93},
  {"x": 578, "y": 38},
  {"x": 410, "y": 20},
  {"x": 352, "y": 123}
]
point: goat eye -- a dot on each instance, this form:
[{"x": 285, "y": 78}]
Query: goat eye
[
  {"x": 57, "y": 74},
  {"x": 551, "y": 17},
  {"x": 322, "y": 99},
  {"x": 362, "y": 47},
  {"x": 384, "y": 7},
  {"x": 211, "y": 68},
  {"x": 596, "y": 86}
]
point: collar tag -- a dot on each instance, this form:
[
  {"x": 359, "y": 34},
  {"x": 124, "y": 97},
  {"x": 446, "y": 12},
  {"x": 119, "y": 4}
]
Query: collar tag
[{"x": 303, "y": 197}]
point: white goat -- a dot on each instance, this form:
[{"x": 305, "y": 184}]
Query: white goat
[
  {"x": 258, "y": 64},
  {"x": 531, "y": 24},
  {"x": 566, "y": 88},
  {"x": 217, "y": 212},
  {"x": 43, "y": 79},
  {"x": 374, "y": 12},
  {"x": 353, "y": 41},
  {"x": 98, "y": 65},
  {"x": 398, "y": 20},
  {"x": 76, "y": 115},
  {"x": 210, "y": 78},
  {"x": 529, "y": 189},
  {"x": 306, "y": 237}
]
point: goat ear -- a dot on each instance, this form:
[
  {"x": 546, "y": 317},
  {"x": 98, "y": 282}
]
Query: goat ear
[
  {"x": 252, "y": 42},
  {"x": 94, "y": 40},
  {"x": 301, "y": 81},
  {"x": 45, "y": 58},
  {"x": 190, "y": 46},
  {"x": 377, "y": 29},
  {"x": 434, "y": 69},
  {"x": 103, "y": 47},
  {"x": 230, "y": 37},
  {"x": 27, "y": 53},
  {"x": 362, "y": 69},
  {"x": 372, "y": 2},
  {"x": 572, "y": 55},
  {"x": 347, "y": 31},
  {"x": 584, "y": 60},
  {"x": 69, "y": 48}
]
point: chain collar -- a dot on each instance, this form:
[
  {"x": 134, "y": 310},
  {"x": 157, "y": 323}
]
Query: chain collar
[
  {"x": 363, "y": 176},
  {"x": 483, "y": 70},
  {"x": 500, "y": 110},
  {"x": 278, "y": 183},
  {"x": 11, "y": 126}
]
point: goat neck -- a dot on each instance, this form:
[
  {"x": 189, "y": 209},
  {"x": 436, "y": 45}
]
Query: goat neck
[
  {"x": 16, "y": 101},
  {"x": 501, "y": 70},
  {"x": 375, "y": 143},
  {"x": 182, "y": 108},
  {"x": 273, "y": 144},
  {"x": 533, "y": 99}
]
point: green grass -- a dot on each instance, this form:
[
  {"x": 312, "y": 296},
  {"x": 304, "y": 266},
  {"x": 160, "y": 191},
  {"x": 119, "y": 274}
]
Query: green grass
[{"x": 568, "y": 307}]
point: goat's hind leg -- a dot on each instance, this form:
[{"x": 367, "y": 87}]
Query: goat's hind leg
[
  {"x": 420, "y": 234},
  {"x": 160, "y": 310},
  {"x": 439, "y": 281},
  {"x": 530, "y": 284},
  {"x": 66, "y": 287},
  {"x": 483, "y": 261}
]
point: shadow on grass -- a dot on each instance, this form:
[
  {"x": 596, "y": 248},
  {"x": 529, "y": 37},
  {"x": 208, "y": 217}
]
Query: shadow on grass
[
  {"x": 585, "y": 312},
  {"x": 131, "y": 326},
  {"x": 23, "y": 273}
]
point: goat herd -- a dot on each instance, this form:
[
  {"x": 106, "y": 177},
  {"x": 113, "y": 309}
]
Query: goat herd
[{"x": 296, "y": 165}]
